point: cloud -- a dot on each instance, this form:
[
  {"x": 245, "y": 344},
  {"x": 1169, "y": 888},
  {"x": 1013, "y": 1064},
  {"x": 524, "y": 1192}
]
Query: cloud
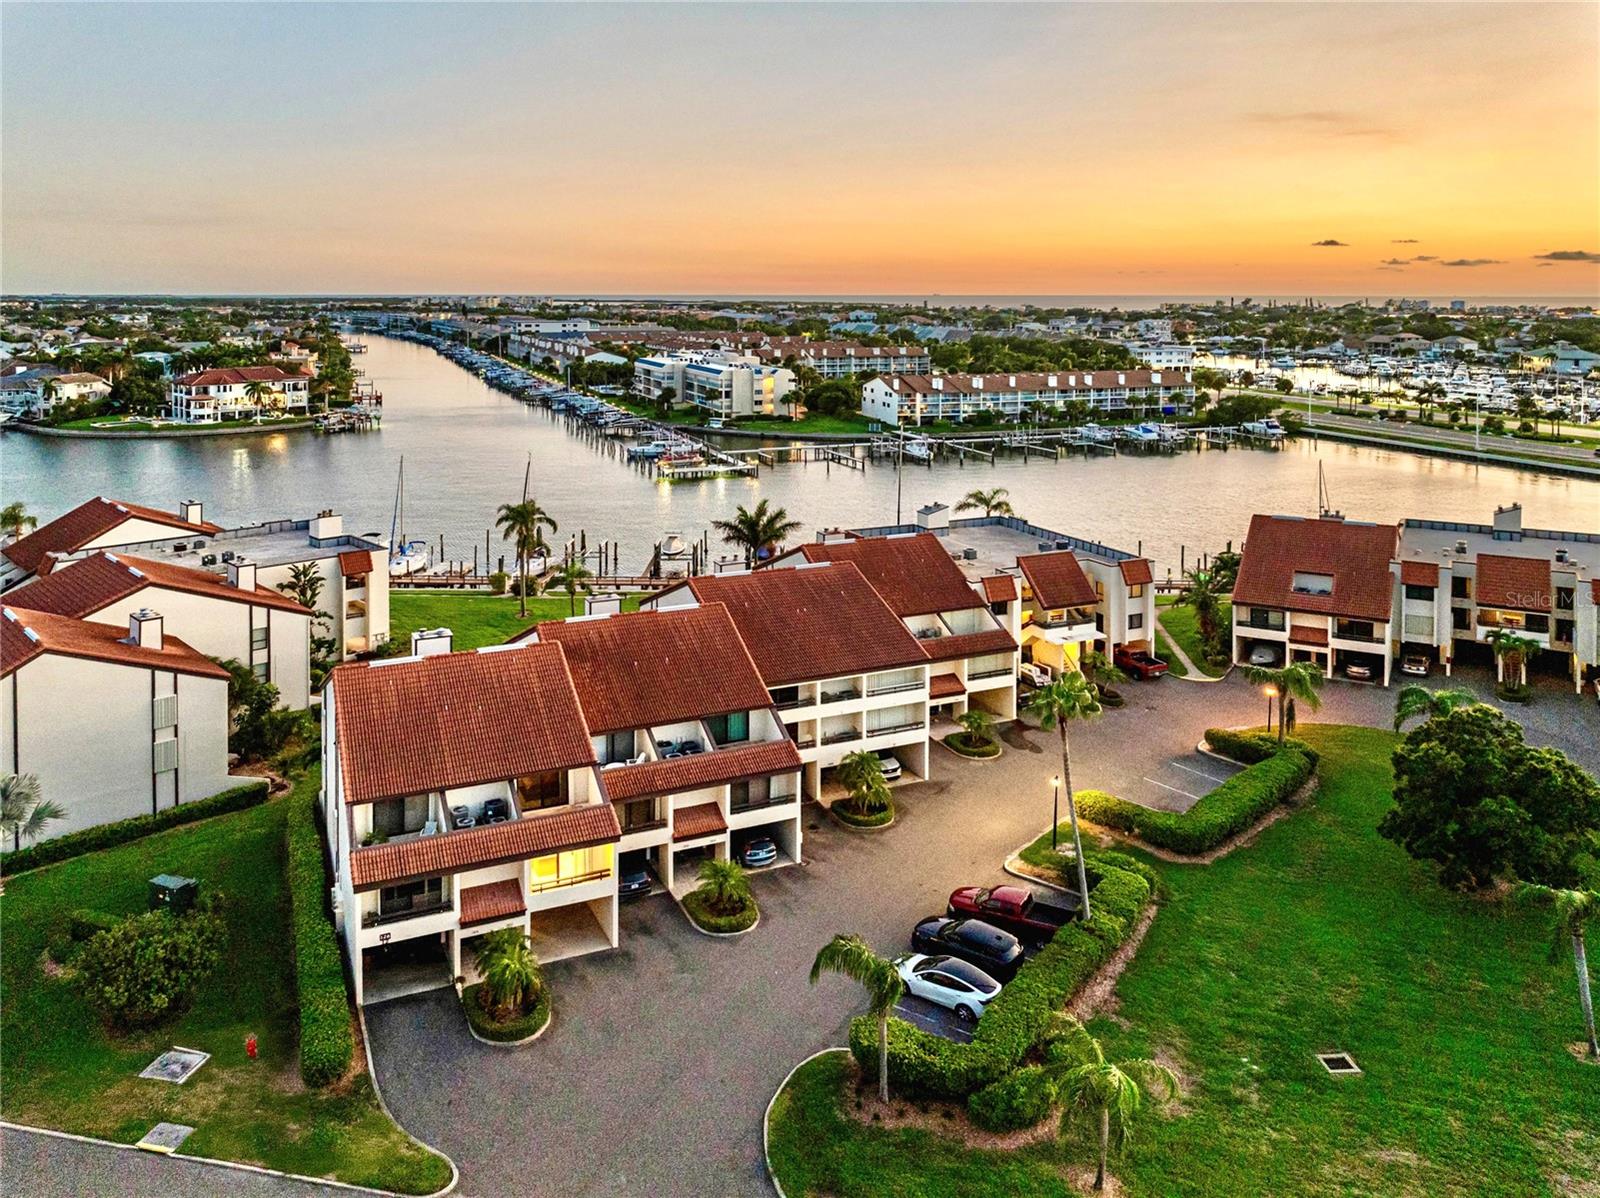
[
  {"x": 1403, "y": 241},
  {"x": 1569, "y": 256},
  {"x": 1324, "y": 123},
  {"x": 1426, "y": 258},
  {"x": 1395, "y": 262},
  {"x": 1330, "y": 241},
  {"x": 1473, "y": 262}
]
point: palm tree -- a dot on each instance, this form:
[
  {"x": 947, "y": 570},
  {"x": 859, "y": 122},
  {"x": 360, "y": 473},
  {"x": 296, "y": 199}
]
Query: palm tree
[
  {"x": 48, "y": 390},
  {"x": 510, "y": 972},
  {"x": 1574, "y": 909},
  {"x": 1297, "y": 681},
  {"x": 725, "y": 884},
  {"x": 24, "y": 811},
  {"x": 1414, "y": 700},
  {"x": 992, "y": 502},
  {"x": 978, "y": 725},
  {"x": 1069, "y": 697},
  {"x": 1098, "y": 669},
  {"x": 852, "y": 957},
  {"x": 524, "y": 524},
  {"x": 572, "y": 577},
  {"x": 14, "y": 518},
  {"x": 758, "y": 531},
  {"x": 1200, "y": 592},
  {"x": 1512, "y": 650},
  {"x": 862, "y": 773},
  {"x": 1110, "y": 1091},
  {"x": 257, "y": 393}
]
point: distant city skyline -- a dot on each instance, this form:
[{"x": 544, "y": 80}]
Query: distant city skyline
[{"x": 794, "y": 150}]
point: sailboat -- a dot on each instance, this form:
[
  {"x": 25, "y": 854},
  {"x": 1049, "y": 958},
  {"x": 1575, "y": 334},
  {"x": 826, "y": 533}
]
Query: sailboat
[{"x": 405, "y": 557}]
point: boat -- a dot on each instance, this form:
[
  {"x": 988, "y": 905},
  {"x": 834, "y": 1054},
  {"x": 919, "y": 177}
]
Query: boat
[
  {"x": 1145, "y": 433},
  {"x": 919, "y": 449},
  {"x": 405, "y": 557},
  {"x": 1268, "y": 428}
]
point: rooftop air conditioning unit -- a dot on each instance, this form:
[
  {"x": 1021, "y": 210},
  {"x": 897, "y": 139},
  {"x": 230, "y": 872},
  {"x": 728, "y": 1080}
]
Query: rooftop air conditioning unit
[
  {"x": 1561, "y": 555},
  {"x": 199, "y": 545},
  {"x": 227, "y": 555},
  {"x": 181, "y": 547},
  {"x": 209, "y": 559},
  {"x": 1461, "y": 546}
]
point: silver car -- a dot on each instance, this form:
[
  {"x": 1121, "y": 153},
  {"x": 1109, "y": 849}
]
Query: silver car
[{"x": 956, "y": 985}]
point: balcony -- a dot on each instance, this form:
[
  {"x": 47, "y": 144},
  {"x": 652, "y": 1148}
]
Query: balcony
[
  {"x": 757, "y": 803},
  {"x": 1001, "y": 672},
  {"x": 891, "y": 729},
  {"x": 843, "y": 736},
  {"x": 841, "y": 696},
  {"x": 593, "y": 875},
  {"x": 1270, "y": 621},
  {"x": 895, "y": 689},
  {"x": 1367, "y": 637},
  {"x": 373, "y": 919}
]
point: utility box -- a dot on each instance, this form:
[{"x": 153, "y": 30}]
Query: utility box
[{"x": 169, "y": 892}]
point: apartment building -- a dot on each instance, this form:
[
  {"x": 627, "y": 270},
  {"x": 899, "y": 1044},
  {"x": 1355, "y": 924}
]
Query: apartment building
[
  {"x": 1316, "y": 590},
  {"x": 114, "y": 720},
  {"x": 227, "y": 618},
  {"x": 40, "y": 392},
  {"x": 836, "y": 359},
  {"x": 461, "y": 795},
  {"x": 842, "y": 670},
  {"x": 916, "y": 399},
  {"x": 972, "y": 655},
  {"x": 722, "y": 385},
  {"x": 98, "y": 523},
  {"x": 691, "y": 750},
  {"x": 237, "y": 393}
]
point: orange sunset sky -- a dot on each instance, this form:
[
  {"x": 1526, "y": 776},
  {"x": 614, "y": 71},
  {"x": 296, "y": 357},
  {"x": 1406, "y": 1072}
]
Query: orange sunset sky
[{"x": 1070, "y": 149}]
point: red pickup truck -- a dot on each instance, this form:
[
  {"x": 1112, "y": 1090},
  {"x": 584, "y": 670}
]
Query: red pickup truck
[
  {"x": 1139, "y": 663},
  {"x": 1015, "y": 909}
]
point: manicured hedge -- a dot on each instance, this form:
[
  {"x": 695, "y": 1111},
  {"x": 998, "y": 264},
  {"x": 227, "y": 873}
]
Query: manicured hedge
[
  {"x": 1228, "y": 810},
  {"x": 511, "y": 1030},
  {"x": 1251, "y": 747},
  {"x": 326, "y": 1043},
  {"x": 699, "y": 910},
  {"x": 1016, "y": 1101},
  {"x": 105, "y": 836},
  {"x": 1016, "y": 1021},
  {"x": 876, "y": 819}
]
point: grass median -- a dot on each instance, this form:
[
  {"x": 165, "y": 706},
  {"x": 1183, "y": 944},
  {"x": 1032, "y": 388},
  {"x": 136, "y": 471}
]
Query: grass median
[{"x": 476, "y": 619}]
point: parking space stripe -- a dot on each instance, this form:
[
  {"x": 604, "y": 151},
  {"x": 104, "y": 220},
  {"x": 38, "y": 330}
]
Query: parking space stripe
[
  {"x": 1173, "y": 789},
  {"x": 1202, "y": 773}
]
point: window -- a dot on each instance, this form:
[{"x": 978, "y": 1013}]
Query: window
[
  {"x": 618, "y": 747},
  {"x": 259, "y": 669},
  {"x": 1537, "y": 623},
  {"x": 729, "y": 729},
  {"x": 1564, "y": 598},
  {"x": 570, "y": 868},
  {"x": 1136, "y": 591},
  {"x": 1461, "y": 618},
  {"x": 258, "y": 638},
  {"x": 166, "y": 755},
  {"x": 640, "y": 815},
  {"x": 1461, "y": 588},
  {"x": 398, "y": 817},
  {"x": 1564, "y": 631},
  {"x": 785, "y": 696},
  {"x": 409, "y": 897},
  {"x": 1306, "y": 583},
  {"x": 548, "y": 789},
  {"x": 1135, "y": 620},
  {"x": 754, "y": 792},
  {"x": 1413, "y": 591}
]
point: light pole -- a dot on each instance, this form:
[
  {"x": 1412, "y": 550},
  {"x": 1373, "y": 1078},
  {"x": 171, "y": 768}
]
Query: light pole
[
  {"x": 1271, "y": 693},
  {"x": 1055, "y": 809}
]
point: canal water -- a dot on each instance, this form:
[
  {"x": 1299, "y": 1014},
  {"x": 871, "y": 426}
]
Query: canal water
[{"x": 466, "y": 446}]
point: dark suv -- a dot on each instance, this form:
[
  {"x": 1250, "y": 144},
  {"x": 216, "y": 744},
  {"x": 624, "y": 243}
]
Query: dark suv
[{"x": 997, "y": 953}]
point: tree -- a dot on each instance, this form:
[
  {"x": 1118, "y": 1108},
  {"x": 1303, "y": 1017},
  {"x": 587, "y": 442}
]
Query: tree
[
  {"x": 14, "y": 518},
  {"x": 1069, "y": 697},
  {"x": 305, "y": 586},
  {"x": 853, "y": 958},
  {"x": 1203, "y": 596},
  {"x": 665, "y": 396},
  {"x": 992, "y": 502},
  {"x": 1574, "y": 909},
  {"x": 258, "y": 393},
  {"x": 1414, "y": 700},
  {"x": 1100, "y": 670},
  {"x": 725, "y": 885},
  {"x": 572, "y": 577},
  {"x": 1297, "y": 681},
  {"x": 978, "y": 725},
  {"x": 1472, "y": 796},
  {"x": 524, "y": 524},
  {"x": 862, "y": 774},
  {"x": 1511, "y": 653},
  {"x": 511, "y": 982},
  {"x": 1110, "y": 1092},
  {"x": 24, "y": 811},
  {"x": 260, "y": 728},
  {"x": 759, "y": 531}
]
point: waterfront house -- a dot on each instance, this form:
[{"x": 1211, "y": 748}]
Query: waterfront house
[
  {"x": 115, "y": 720},
  {"x": 237, "y": 393},
  {"x": 98, "y": 523},
  {"x": 917, "y": 399}
]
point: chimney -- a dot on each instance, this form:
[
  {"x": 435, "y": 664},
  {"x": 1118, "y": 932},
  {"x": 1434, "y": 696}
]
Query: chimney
[
  {"x": 242, "y": 573},
  {"x": 144, "y": 629},
  {"x": 933, "y": 517},
  {"x": 604, "y": 605},
  {"x": 1508, "y": 518},
  {"x": 430, "y": 642},
  {"x": 326, "y": 526},
  {"x": 190, "y": 511}
]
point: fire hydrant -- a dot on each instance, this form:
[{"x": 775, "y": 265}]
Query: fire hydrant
[{"x": 250, "y": 1046}]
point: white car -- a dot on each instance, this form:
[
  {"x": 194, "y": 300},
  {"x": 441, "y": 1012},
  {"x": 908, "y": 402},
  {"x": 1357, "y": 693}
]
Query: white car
[
  {"x": 1034, "y": 675},
  {"x": 890, "y": 764},
  {"x": 963, "y": 988}
]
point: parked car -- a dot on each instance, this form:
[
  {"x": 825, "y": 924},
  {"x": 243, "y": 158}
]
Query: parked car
[
  {"x": 1358, "y": 671},
  {"x": 758, "y": 853},
  {"x": 1033, "y": 674},
  {"x": 1265, "y": 655},
  {"x": 997, "y": 953},
  {"x": 633, "y": 878},
  {"x": 1139, "y": 663},
  {"x": 1014, "y": 909},
  {"x": 714, "y": 423},
  {"x": 1416, "y": 664},
  {"x": 950, "y": 982},
  {"x": 890, "y": 764}
]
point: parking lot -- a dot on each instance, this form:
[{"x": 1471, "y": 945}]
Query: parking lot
[{"x": 1178, "y": 782}]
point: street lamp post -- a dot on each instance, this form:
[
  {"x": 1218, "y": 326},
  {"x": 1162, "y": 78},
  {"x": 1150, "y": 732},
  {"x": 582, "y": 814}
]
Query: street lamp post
[
  {"x": 1055, "y": 809},
  {"x": 1271, "y": 693}
]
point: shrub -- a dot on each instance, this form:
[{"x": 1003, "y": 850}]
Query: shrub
[
  {"x": 326, "y": 1043},
  {"x": 1016, "y": 1101},
  {"x": 846, "y": 815},
  {"x": 961, "y": 743},
  {"x": 519, "y": 1027},
  {"x": 1251, "y": 747},
  {"x": 498, "y": 581},
  {"x": 145, "y": 968},
  {"x": 105, "y": 836},
  {"x": 697, "y": 904},
  {"x": 1228, "y": 810}
]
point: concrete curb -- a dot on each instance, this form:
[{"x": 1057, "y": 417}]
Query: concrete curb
[
  {"x": 236, "y": 1165},
  {"x": 848, "y": 827},
  {"x": 377, "y": 1092},
  {"x": 717, "y": 935},
  {"x": 766, "y": 1116},
  {"x": 35, "y": 430},
  {"x": 543, "y": 1028},
  {"x": 960, "y": 756}
]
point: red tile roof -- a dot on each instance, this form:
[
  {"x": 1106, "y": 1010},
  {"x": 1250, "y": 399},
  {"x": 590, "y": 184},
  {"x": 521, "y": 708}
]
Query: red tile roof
[
  {"x": 1356, "y": 556},
  {"x": 1522, "y": 583},
  {"x": 492, "y": 900},
  {"x": 81, "y": 588},
  {"x": 1057, "y": 580},
  {"x": 353, "y": 563},
  {"x": 813, "y": 622},
  {"x": 644, "y": 669},
  {"x": 97, "y": 642},
  {"x": 945, "y": 686},
  {"x": 999, "y": 588},
  {"x": 455, "y": 719},
  {"x": 678, "y": 774},
  {"x": 560, "y": 829},
  {"x": 234, "y": 375},
  {"x": 969, "y": 644},
  {"x": 1136, "y": 572},
  {"x": 703, "y": 819},
  {"x": 1419, "y": 574},
  {"x": 914, "y": 574},
  {"x": 1308, "y": 634},
  {"x": 88, "y": 522}
]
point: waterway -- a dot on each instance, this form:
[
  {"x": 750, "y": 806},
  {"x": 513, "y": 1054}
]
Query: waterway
[{"x": 466, "y": 447}]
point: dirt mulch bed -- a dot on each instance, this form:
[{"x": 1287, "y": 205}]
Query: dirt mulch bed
[
  {"x": 947, "y": 1119},
  {"x": 1096, "y": 993}
]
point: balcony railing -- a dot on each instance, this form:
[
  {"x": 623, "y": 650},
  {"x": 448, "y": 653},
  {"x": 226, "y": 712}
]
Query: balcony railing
[
  {"x": 593, "y": 875},
  {"x": 839, "y": 738},
  {"x": 1267, "y": 623},
  {"x": 889, "y": 729},
  {"x": 756, "y": 804},
  {"x": 787, "y": 704},
  {"x": 840, "y": 696},
  {"x": 875, "y": 691},
  {"x": 978, "y": 674},
  {"x": 1365, "y": 638},
  {"x": 805, "y": 742},
  {"x": 373, "y": 919}
]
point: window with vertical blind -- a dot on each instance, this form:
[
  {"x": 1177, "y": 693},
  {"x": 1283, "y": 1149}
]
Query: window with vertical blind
[
  {"x": 165, "y": 756},
  {"x": 164, "y": 712}
]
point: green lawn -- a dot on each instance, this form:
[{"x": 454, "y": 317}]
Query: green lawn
[
  {"x": 63, "y": 1070},
  {"x": 1164, "y": 651},
  {"x": 104, "y": 424},
  {"x": 1320, "y": 935},
  {"x": 1180, "y": 626},
  {"x": 475, "y": 619}
]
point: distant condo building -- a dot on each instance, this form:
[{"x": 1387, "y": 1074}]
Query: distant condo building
[
  {"x": 721, "y": 385},
  {"x": 237, "y": 393},
  {"x": 834, "y": 359},
  {"x": 916, "y": 399}
]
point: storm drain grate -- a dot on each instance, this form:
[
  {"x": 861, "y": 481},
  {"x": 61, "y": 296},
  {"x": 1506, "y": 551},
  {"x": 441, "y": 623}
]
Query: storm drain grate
[
  {"x": 175, "y": 1065},
  {"x": 1339, "y": 1064}
]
